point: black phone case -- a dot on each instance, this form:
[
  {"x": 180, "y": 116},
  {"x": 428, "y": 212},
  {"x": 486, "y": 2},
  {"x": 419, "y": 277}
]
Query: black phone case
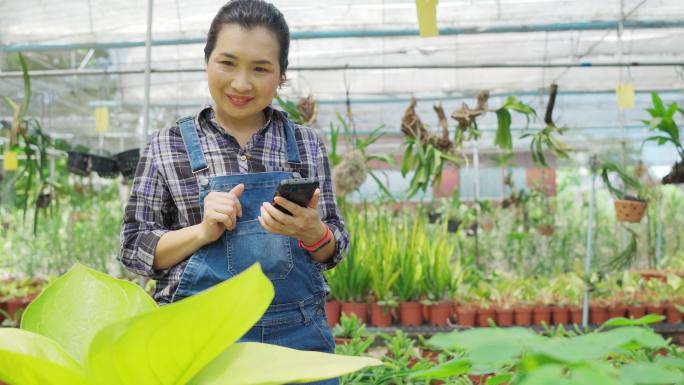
[{"x": 298, "y": 190}]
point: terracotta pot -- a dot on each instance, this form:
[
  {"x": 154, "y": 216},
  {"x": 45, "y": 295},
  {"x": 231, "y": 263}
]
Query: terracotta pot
[
  {"x": 484, "y": 315},
  {"x": 673, "y": 315},
  {"x": 440, "y": 313},
  {"x": 358, "y": 308},
  {"x": 629, "y": 210},
  {"x": 597, "y": 314},
  {"x": 332, "y": 312},
  {"x": 541, "y": 314},
  {"x": 523, "y": 316},
  {"x": 342, "y": 340},
  {"x": 504, "y": 317},
  {"x": 576, "y": 315},
  {"x": 560, "y": 315},
  {"x": 465, "y": 315},
  {"x": 410, "y": 314},
  {"x": 636, "y": 312},
  {"x": 617, "y": 311},
  {"x": 380, "y": 316},
  {"x": 655, "y": 309}
]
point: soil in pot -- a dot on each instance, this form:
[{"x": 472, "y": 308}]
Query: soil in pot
[
  {"x": 358, "y": 308},
  {"x": 410, "y": 314},
  {"x": 332, "y": 312},
  {"x": 380, "y": 316}
]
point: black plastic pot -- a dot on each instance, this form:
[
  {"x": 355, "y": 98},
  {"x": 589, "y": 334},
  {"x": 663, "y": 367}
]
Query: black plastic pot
[
  {"x": 433, "y": 217},
  {"x": 104, "y": 167},
  {"x": 453, "y": 225},
  {"x": 127, "y": 162},
  {"x": 79, "y": 163}
]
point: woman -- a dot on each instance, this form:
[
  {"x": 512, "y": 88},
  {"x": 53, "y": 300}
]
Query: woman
[{"x": 200, "y": 208}]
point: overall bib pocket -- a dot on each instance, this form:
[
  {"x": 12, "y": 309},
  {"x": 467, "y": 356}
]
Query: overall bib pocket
[{"x": 250, "y": 243}]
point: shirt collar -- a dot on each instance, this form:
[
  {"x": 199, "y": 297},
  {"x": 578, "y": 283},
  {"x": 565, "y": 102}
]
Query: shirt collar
[{"x": 272, "y": 116}]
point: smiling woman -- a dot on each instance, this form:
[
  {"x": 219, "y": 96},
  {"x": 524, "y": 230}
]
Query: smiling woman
[{"x": 201, "y": 208}]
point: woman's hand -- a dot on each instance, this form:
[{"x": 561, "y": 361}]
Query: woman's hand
[
  {"x": 221, "y": 210},
  {"x": 304, "y": 224}
]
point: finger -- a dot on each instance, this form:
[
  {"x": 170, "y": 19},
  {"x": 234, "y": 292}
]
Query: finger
[
  {"x": 313, "y": 204},
  {"x": 290, "y": 206},
  {"x": 266, "y": 226},
  {"x": 268, "y": 217},
  {"x": 214, "y": 217},
  {"x": 224, "y": 209},
  {"x": 278, "y": 215},
  {"x": 237, "y": 192}
]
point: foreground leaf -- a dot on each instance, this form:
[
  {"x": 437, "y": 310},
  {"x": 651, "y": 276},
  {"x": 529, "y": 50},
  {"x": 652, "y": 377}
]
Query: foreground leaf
[
  {"x": 30, "y": 359},
  {"x": 73, "y": 308},
  {"x": 253, "y": 363},
  {"x": 172, "y": 344}
]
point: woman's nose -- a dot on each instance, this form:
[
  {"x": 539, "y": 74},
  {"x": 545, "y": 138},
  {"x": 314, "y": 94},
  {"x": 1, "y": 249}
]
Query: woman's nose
[{"x": 241, "y": 83}]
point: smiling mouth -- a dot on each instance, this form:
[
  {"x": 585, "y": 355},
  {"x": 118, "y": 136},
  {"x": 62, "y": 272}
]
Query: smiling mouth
[{"x": 239, "y": 101}]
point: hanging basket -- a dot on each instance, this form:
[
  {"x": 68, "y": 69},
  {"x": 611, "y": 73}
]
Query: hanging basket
[
  {"x": 127, "y": 162},
  {"x": 79, "y": 163},
  {"x": 104, "y": 167},
  {"x": 629, "y": 210},
  {"x": 546, "y": 230}
]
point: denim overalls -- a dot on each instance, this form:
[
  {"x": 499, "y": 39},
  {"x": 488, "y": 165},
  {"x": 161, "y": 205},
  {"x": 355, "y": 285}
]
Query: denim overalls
[{"x": 296, "y": 317}]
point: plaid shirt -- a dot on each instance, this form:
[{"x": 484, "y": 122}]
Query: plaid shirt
[{"x": 165, "y": 193}]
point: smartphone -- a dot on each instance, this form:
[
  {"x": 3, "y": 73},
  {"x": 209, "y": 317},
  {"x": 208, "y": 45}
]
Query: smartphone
[{"x": 298, "y": 190}]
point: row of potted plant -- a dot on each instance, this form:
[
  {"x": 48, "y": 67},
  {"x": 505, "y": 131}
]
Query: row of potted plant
[{"x": 15, "y": 295}]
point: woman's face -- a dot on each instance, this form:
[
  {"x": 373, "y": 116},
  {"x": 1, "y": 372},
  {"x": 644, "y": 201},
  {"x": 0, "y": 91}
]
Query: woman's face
[{"x": 243, "y": 71}]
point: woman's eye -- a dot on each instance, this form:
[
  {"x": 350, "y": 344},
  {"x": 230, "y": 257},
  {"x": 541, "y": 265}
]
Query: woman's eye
[
  {"x": 260, "y": 69},
  {"x": 228, "y": 63}
]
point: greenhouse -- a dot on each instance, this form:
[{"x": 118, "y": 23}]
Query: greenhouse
[{"x": 343, "y": 192}]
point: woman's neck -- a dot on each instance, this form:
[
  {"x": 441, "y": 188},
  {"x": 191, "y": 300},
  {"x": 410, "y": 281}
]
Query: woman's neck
[{"x": 241, "y": 129}]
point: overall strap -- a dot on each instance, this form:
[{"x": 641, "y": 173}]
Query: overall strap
[
  {"x": 188, "y": 129},
  {"x": 292, "y": 151}
]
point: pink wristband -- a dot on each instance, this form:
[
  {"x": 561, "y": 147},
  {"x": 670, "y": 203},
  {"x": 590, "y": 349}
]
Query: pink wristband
[{"x": 316, "y": 246}]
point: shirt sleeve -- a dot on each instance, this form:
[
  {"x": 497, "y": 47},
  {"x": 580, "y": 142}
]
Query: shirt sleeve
[
  {"x": 327, "y": 206},
  {"x": 144, "y": 215}
]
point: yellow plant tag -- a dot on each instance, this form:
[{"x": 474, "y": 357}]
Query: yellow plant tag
[
  {"x": 427, "y": 17},
  {"x": 10, "y": 161},
  {"x": 625, "y": 96},
  {"x": 102, "y": 119}
]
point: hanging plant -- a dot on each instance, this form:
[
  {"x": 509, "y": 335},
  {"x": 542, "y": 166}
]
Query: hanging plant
[
  {"x": 663, "y": 121},
  {"x": 27, "y": 137},
  {"x": 546, "y": 137},
  {"x": 628, "y": 208},
  {"x": 303, "y": 112}
]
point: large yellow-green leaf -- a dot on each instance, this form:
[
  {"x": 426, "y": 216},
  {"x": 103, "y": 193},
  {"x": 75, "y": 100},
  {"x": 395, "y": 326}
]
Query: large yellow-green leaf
[
  {"x": 253, "y": 363},
  {"x": 30, "y": 359},
  {"x": 80, "y": 303},
  {"x": 172, "y": 344}
]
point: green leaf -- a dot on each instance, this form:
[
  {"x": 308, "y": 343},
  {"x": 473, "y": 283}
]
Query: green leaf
[
  {"x": 455, "y": 367},
  {"x": 31, "y": 359},
  {"x": 263, "y": 364},
  {"x": 173, "y": 343},
  {"x": 27, "y": 87},
  {"x": 499, "y": 379},
  {"x": 657, "y": 104},
  {"x": 503, "y": 137},
  {"x": 670, "y": 362},
  {"x": 649, "y": 373},
  {"x": 91, "y": 299},
  {"x": 645, "y": 320}
]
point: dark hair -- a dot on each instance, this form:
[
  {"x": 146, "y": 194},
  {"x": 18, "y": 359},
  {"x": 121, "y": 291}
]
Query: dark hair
[{"x": 249, "y": 14}]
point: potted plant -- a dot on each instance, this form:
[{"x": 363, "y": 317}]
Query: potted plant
[
  {"x": 352, "y": 273},
  {"x": 349, "y": 328},
  {"x": 407, "y": 286},
  {"x": 438, "y": 277},
  {"x": 560, "y": 311},
  {"x": 628, "y": 208},
  {"x": 541, "y": 313},
  {"x": 657, "y": 292},
  {"x": 675, "y": 285},
  {"x": 524, "y": 298},
  {"x": 501, "y": 294},
  {"x": 663, "y": 121}
]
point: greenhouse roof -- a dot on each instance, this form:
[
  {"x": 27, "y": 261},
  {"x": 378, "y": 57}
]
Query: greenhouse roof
[{"x": 369, "y": 48}]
